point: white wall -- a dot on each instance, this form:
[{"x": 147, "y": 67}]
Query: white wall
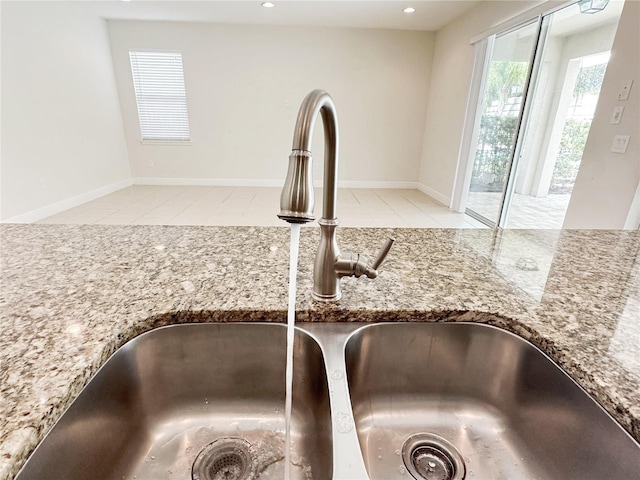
[
  {"x": 62, "y": 133},
  {"x": 450, "y": 82},
  {"x": 244, "y": 86},
  {"x": 604, "y": 192}
]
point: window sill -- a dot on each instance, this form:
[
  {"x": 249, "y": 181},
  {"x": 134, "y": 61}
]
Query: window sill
[{"x": 165, "y": 142}]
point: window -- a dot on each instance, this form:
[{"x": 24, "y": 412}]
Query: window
[{"x": 162, "y": 102}]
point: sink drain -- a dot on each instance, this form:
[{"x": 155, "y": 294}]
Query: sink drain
[
  {"x": 227, "y": 458},
  {"x": 430, "y": 457}
]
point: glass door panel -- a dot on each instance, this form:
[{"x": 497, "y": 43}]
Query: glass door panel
[
  {"x": 503, "y": 97},
  {"x": 567, "y": 84}
]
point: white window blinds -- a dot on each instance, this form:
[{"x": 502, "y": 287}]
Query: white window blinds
[{"x": 158, "y": 80}]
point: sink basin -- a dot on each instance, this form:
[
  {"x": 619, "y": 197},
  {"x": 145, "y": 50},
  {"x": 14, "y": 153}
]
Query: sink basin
[
  {"x": 473, "y": 401},
  {"x": 190, "y": 401}
]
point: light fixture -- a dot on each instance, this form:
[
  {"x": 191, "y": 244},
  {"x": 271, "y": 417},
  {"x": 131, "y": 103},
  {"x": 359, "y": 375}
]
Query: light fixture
[
  {"x": 409, "y": 10},
  {"x": 268, "y": 4},
  {"x": 592, "y": 6}
]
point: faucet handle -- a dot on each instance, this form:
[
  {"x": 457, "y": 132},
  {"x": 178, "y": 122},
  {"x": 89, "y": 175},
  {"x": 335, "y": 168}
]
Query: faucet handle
[
  {"x": 382, "y": 253},
  {"x": 371, "y": 270},
  {"x": 355, "y": 265}
]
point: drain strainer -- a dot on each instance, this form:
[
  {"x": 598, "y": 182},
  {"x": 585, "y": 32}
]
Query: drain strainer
[
  {"x": 430, "y": 457},
  {"x": 227, "y": 458}
]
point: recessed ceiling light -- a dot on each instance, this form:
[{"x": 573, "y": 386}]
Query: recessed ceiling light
[
  {"x": 268, "y": 4},
  {"x": 409, "y": 10}
]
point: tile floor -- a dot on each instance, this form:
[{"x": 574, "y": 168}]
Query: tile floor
[
  {"x": 237, "y": 206},
  {"x": 526, "y": 211}
]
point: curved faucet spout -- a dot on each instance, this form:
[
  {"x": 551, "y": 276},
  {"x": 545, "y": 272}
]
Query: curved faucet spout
[{"x": 318, "y": 101}]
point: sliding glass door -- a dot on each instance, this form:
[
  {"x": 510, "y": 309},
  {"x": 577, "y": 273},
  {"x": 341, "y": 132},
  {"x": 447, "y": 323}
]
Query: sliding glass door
[
  {"x": 540, "y": 87},
  {"x": 506, "y": 81}
]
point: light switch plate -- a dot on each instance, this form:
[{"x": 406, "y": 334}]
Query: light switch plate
[
  {"x": 616, "y": 117},
  {"x": 625, "y": 90},
  {"x": 620, "y": 143}
]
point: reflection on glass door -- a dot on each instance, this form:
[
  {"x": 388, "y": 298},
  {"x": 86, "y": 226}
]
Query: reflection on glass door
[
  {"x": 502, "y": 105},
  {"x": 563, "y": 101}
]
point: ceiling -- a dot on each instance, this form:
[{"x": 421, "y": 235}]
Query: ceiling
[
  {"x": 569, "y": 21},
  {"x": 430, "y": 15}
]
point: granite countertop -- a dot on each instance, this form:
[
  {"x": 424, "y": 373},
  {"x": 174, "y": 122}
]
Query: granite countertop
[{"x": 70, "y": 295}]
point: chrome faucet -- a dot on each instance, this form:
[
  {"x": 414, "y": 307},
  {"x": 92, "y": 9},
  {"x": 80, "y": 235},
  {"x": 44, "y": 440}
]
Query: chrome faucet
[{"x": 296, "y": 201}]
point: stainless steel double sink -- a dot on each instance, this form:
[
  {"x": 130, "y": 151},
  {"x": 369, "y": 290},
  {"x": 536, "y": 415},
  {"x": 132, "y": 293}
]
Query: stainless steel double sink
[{"x": 380, "y": 401}]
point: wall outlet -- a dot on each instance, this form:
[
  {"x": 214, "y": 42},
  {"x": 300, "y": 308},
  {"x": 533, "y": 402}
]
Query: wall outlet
[
  {"x": 620, "y": 143},
  {"x": 625, "y": 90},
  {"x": 616, "y": 117},
  {"x": 150, "y": 162}
]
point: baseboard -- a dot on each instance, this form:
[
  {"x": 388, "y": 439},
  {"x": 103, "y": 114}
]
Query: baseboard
[
  {"x": 374, "y": 184},
  {"x": 209, "y": 182},
  {"x": 61, "y": 206},
  {"x": 437, "y": 196},
  {"x": 242, "y": 182}
]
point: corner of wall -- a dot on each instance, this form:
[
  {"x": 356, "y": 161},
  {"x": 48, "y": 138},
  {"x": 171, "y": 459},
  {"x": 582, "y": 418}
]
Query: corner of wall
[{"x": 61, "y": 124}]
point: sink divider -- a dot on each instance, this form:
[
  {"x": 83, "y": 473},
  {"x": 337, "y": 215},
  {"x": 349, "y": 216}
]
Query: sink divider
[{"x": 348, "y": 462}]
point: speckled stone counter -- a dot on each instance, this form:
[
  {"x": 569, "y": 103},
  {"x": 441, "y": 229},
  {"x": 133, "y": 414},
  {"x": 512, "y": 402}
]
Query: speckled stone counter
[{"x": 71, "y": 295}]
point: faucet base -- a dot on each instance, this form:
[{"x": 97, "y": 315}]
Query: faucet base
[{"x": 326, "y": 298}]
